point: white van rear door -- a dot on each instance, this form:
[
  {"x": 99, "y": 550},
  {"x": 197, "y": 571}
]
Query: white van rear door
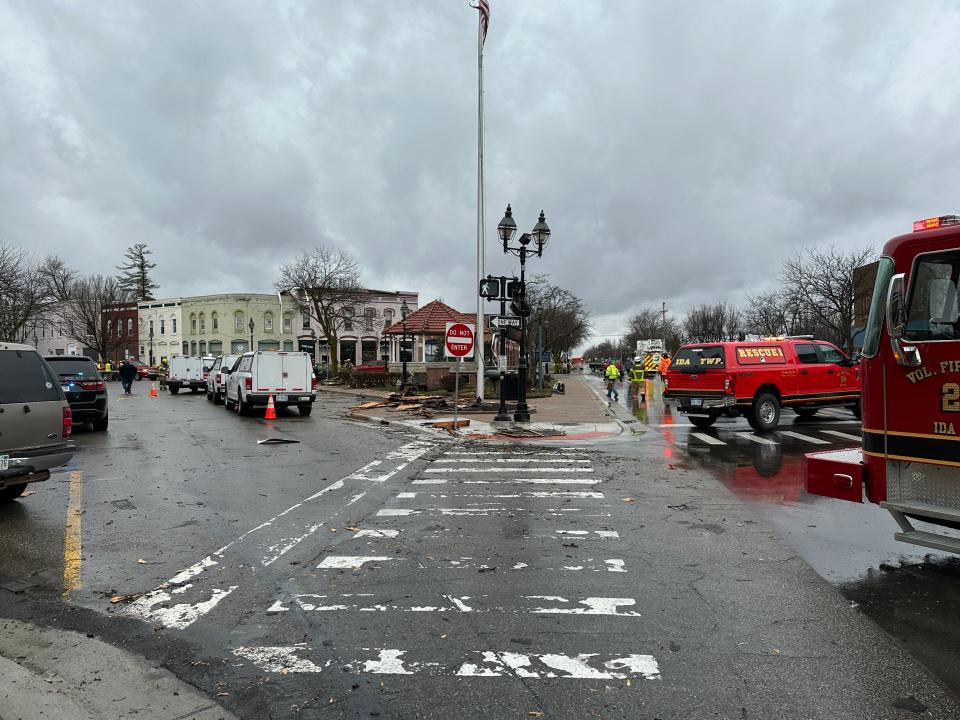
[
  {"x": 268, "y": 372},
  {"x": 296, "y": 370}
]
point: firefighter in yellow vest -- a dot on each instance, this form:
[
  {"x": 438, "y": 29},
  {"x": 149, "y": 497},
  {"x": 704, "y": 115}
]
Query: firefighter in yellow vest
[
  {"x": 637, "y": 377},
  {"x": 612, "y": 375}
]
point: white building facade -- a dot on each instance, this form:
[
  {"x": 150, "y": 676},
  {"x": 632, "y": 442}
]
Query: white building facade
[{"x": 160, "y": 331}]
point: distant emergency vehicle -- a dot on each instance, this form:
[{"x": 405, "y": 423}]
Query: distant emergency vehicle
[
  {"x": 758, "y": 379},
  {"x": 910, "y": 459}
]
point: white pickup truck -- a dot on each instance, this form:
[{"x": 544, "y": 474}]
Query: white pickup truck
[
  {"x": 286, "y": 376},
  {"x": 186, "y": 372}
]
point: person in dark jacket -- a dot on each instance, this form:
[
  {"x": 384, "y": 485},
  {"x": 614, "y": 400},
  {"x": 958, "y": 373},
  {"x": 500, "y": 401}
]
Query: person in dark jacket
[{"x": 128, "y": 373}]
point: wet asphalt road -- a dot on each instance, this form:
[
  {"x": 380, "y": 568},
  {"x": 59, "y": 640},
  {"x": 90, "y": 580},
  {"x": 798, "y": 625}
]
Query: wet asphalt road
[{"x": 372, "y": 572}]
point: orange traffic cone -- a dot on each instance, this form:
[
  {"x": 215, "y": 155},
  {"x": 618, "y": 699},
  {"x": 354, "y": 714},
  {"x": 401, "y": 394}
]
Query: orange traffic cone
[
  {"x": 153, "y": 389},
  {"x": 271, "y": 410}
]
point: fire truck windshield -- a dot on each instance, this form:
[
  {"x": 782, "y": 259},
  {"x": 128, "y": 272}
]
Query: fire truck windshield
[
  {"x": 933, "y": 310},
  {"x": 871, "y": 337}
]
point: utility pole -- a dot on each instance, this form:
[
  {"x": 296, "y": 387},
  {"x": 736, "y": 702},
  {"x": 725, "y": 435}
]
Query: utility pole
[{"x": 663, "y": 319}]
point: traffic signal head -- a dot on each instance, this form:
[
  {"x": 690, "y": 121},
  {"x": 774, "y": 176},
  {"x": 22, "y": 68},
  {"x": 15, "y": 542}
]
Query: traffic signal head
[
  {"x": 490, "y": 288},
  {"x": 514, "y": 289}
]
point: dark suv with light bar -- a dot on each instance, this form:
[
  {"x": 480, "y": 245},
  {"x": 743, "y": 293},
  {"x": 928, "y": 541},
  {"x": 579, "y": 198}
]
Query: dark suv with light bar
[{"x": 84, "y": 387}]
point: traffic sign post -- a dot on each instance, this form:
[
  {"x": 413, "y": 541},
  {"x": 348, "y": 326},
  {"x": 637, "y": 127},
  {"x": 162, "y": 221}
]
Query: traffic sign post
[
  {"x": 458, "y": 342},
  {"x": 504, "y": 321}
]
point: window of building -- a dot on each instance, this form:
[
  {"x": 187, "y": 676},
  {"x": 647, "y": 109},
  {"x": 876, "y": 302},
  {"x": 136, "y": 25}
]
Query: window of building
[
  {"x": 203, "y": 347},
  {"x": 173, "y": 324},
  {"x": 129, "y": 327},
  {"x": 368, "y": 315},
  {"x": 151, "y": 327},
  {"x": 348, "y": 351},
  {"x": 203, "y": 323},
  {"x": 387, "y": 318},
  {"x": 348, "y": 318},
  {"x": 288, "y": 345},
  {"x": 306, "y": 322},
  {"x": 433, "y": 349},
  {"x": 193, "y": 347},
  {"x": 287, "y": 324},
  {"x": 163, "y": 326},
  {"x": 193, "y": 324},
  {"x": 216, "y": 347},
  {"x": 186, "y": 348},
  {"x": 268, "y": 322},
  {"x": 215, "y": 320},
  {"x": 368, "y": 350},
  {"x": 238, "y": 321}
]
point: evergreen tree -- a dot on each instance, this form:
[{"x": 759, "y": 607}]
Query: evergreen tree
[{"x": 134, "y": 276}]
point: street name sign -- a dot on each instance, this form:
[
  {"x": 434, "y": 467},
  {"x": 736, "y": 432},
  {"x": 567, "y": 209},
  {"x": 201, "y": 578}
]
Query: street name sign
[
  {"x": 502, "y": 321},
  {"x": 458, "y": 340}
]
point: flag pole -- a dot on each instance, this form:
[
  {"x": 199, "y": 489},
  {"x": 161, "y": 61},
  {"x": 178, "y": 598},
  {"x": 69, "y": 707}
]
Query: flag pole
[{"x": 480, "y": 199}]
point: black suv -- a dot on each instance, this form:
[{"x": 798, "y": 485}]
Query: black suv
[{"x": 84, "y": 387}]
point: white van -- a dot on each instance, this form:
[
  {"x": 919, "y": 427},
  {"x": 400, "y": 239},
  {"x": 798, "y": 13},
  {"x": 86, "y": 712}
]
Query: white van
[
  {"x": 185, "y": 372},
  {"x": 217, "y": 378},
  {"x": 287, "y": 376}
]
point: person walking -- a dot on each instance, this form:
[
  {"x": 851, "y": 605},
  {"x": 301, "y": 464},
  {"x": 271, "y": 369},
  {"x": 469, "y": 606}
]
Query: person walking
[
  {"x": 128, "y": 373},
  {"x": 108, "y": 370},
  {"x": 612, "y": 374},
  {"x": 664, "y": 366}
]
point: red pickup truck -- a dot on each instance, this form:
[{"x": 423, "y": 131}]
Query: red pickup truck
[{"x": 757, "y": 379}]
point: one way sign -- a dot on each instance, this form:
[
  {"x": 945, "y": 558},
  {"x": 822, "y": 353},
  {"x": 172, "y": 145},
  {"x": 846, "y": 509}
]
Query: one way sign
[{"x": 505, "y": 321}]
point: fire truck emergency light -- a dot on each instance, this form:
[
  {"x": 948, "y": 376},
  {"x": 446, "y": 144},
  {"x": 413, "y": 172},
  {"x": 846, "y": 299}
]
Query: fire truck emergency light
[{"x": 935, "y": 222}]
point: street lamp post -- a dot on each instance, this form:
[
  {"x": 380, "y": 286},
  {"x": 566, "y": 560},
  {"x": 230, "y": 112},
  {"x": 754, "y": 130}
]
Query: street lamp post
[
  {"x": 540, "y": 236},
  {"x": 404, "y": 311},
  {"x": 251, "y": 325},
  {"x": 151, "y": 344}
]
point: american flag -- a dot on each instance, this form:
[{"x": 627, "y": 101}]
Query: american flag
[{"x": 484, "y": 7}]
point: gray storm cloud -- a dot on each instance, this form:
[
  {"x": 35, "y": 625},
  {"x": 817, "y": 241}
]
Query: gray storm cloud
[{"x": 680, "y": 151}]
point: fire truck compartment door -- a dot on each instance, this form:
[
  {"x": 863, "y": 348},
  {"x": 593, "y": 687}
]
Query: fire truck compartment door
[{"x": 836, "y": 474}]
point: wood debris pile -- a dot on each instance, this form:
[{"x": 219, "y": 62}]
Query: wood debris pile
[{"x": 422, "y": 405}]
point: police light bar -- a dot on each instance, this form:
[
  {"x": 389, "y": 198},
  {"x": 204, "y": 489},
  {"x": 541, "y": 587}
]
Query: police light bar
[{"x": 935, "y": 222}]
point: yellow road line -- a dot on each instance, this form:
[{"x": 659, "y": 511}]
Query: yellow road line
[{"x": 72, "y": 549}]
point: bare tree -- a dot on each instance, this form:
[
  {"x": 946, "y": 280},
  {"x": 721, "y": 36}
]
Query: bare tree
[
  {"x": 83, "y": 313},
  {"x": 134, "y": 278},
  {"x": 766, "y": 314},
  {"x": 22, "y": 299},
  {"x": 326, "y": 285},
  {"x": 57, "y": 278},
  {"x": 560, "y": 313},
  {"x": 712, "y": 323},
  {"x": 604, "y": 350},
  {"x": 819, "y": 283},
  {"x": 649, "y": 324}
]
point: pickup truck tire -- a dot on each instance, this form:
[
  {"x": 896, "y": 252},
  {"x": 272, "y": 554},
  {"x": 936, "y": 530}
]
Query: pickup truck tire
[
  {"x": 702, "y": 421},
  {"x": 242, "y": 407},
  {"x": 805, "y": 412},
  {"x": 174, "y": 389},
  {"x": 100, "y": 424},
  {"x": 227, "y": 402},
  {"x": 305, "y": 410},
  {"x": 765, "y": 413},
  {"x": 12, "y": 492},
  {"x": 218, "y": 398}
]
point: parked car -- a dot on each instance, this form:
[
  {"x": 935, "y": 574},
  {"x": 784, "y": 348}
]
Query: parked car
[
  {"x": 144, "y": 371},
  {"x": 84, "y": 388},
  {"x": 185, "y": 372},
  {"x": 217, "y": 378},
  {"x": 256, "y": 376},
  {"x": 372, "y": 366},
  {"x": 757, "y": 379},
  {"x": 35, "y": 420}
]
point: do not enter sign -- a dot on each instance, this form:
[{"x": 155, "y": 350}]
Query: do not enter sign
[{"x": 459, "y": 340}]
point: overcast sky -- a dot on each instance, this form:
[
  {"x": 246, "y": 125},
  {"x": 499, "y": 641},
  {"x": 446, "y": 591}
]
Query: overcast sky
[{"x": 680, "y": 150}]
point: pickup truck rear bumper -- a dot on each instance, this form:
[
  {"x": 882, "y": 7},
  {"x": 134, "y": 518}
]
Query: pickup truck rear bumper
[
  {"x": 690, "y": 404},
  {"x": 293, "y": 398},
  {"x": 192, "y": 384},
  {"x": 26, "y": 466}
]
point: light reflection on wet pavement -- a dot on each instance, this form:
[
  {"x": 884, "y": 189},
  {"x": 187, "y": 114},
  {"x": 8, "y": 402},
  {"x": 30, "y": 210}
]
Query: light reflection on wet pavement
[{"x": 911, "y": 592}]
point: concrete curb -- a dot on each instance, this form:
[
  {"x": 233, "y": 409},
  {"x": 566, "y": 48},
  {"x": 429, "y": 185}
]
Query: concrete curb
[{"x": 63, "y": 674}]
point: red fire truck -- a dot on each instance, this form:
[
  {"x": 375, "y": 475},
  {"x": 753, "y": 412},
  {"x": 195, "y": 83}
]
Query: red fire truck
[{"x": 910, "y": 368}]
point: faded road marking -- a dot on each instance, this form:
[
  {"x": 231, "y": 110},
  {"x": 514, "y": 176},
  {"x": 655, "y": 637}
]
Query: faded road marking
[
  {"x": 475, "y": 663},
  {"x": 366, "y": 602},
  {"x": 72, "y": 541},
  {"x": 515, "y": 481},
  {"x": 581, "y": 494},
  {"x": 805, "y": 438},
  {"x": 511, "y": 470},
  {"x": 348, "y": 562}
]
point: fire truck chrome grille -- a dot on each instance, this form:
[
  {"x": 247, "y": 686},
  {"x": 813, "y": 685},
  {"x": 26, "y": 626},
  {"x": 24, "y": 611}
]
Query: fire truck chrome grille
[{"x": 936, "y": 485}]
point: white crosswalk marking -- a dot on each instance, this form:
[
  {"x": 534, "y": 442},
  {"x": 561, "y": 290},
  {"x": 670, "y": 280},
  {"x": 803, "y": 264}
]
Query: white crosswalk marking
[
  {"x": 510, "y": 470},
  {"x": 805, "y": 438},
  {"x": 512, "y": 460},
  {"x": 756, "y": 438},
  {"x": 708, "y": 439},
  {"x": 845, "y": 436}
]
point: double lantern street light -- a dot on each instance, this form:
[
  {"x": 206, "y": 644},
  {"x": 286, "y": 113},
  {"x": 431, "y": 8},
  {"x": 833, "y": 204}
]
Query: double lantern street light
[
  {"x": 404, "y": 312},
  {"x": 539, "y": 236}
]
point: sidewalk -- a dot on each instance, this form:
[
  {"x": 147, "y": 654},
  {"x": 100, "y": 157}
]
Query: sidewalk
[
  {"x": 578, "y": 414},
  {"x": 52, "y": 673}
]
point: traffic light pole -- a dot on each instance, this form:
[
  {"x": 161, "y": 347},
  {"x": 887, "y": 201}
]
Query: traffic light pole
[
  {"x": 502, "y": 415},
  {"x": 522, "y": 413}
]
